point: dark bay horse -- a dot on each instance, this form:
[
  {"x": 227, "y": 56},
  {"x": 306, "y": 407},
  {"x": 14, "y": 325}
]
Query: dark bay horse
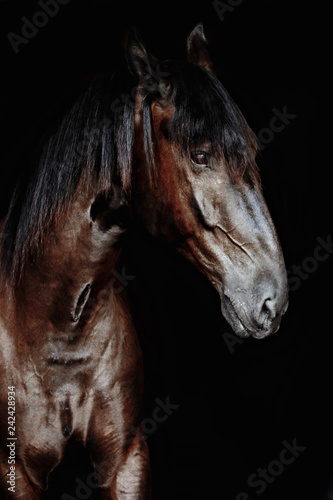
[{"x": 175, "y": 155}]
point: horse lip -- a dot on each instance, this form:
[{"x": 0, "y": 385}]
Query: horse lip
[
  {"x": 238, "y": 325},
  {"x": 233, "y": 318}
]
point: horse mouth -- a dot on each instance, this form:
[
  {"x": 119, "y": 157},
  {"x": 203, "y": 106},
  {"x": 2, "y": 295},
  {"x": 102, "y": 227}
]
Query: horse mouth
[{"x": 244, "y": 327}]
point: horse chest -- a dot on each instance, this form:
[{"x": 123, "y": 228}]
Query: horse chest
[
  {"x": 63, "y": 398},
  {"x": 45, "y": 428},
  {"x": 78, "y": 391},
  {"x": 93, "y": 419}
]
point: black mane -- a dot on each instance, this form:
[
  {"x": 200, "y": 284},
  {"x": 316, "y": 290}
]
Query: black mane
[{"x": 92, "y": 146}]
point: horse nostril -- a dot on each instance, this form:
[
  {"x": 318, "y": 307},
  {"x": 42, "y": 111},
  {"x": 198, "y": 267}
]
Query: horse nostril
[
  {"x": 265, "y": 315},
  {"x": 269, "y": 309}
]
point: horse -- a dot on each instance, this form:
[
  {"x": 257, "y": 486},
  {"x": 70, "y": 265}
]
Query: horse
[{"x": 157, "y": 145}]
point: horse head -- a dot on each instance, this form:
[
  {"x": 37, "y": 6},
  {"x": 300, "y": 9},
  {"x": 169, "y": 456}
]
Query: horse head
[{"x": 197, "y": 185}]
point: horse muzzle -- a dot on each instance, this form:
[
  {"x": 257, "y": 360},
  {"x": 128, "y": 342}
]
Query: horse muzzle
[{"x": 259, "y": 319}]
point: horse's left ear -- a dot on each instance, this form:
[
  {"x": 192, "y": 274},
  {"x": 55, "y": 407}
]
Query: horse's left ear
[
  {"x": 140, "y": 62},
  {"x": 197, "y": 47}
]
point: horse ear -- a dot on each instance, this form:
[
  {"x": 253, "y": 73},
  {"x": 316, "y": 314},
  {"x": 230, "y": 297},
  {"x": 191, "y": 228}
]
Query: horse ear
[
  {"x": 197, "y": 47},
  {"x": 140, "y": 62}
]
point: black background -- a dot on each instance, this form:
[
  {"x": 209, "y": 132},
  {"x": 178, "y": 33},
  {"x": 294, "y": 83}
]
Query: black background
[{"x": 236, "y": 404}]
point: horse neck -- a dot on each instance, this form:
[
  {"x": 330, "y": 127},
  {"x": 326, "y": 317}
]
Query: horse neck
[{"x": 71, "y": 278}]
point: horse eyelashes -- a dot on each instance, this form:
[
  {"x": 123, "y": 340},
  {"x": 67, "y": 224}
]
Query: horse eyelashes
[{"x": 76, "y": 314}]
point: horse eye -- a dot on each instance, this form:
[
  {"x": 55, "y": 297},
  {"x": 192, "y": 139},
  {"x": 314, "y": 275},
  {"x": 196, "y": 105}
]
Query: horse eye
[{"x": 200, "y": 158}]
